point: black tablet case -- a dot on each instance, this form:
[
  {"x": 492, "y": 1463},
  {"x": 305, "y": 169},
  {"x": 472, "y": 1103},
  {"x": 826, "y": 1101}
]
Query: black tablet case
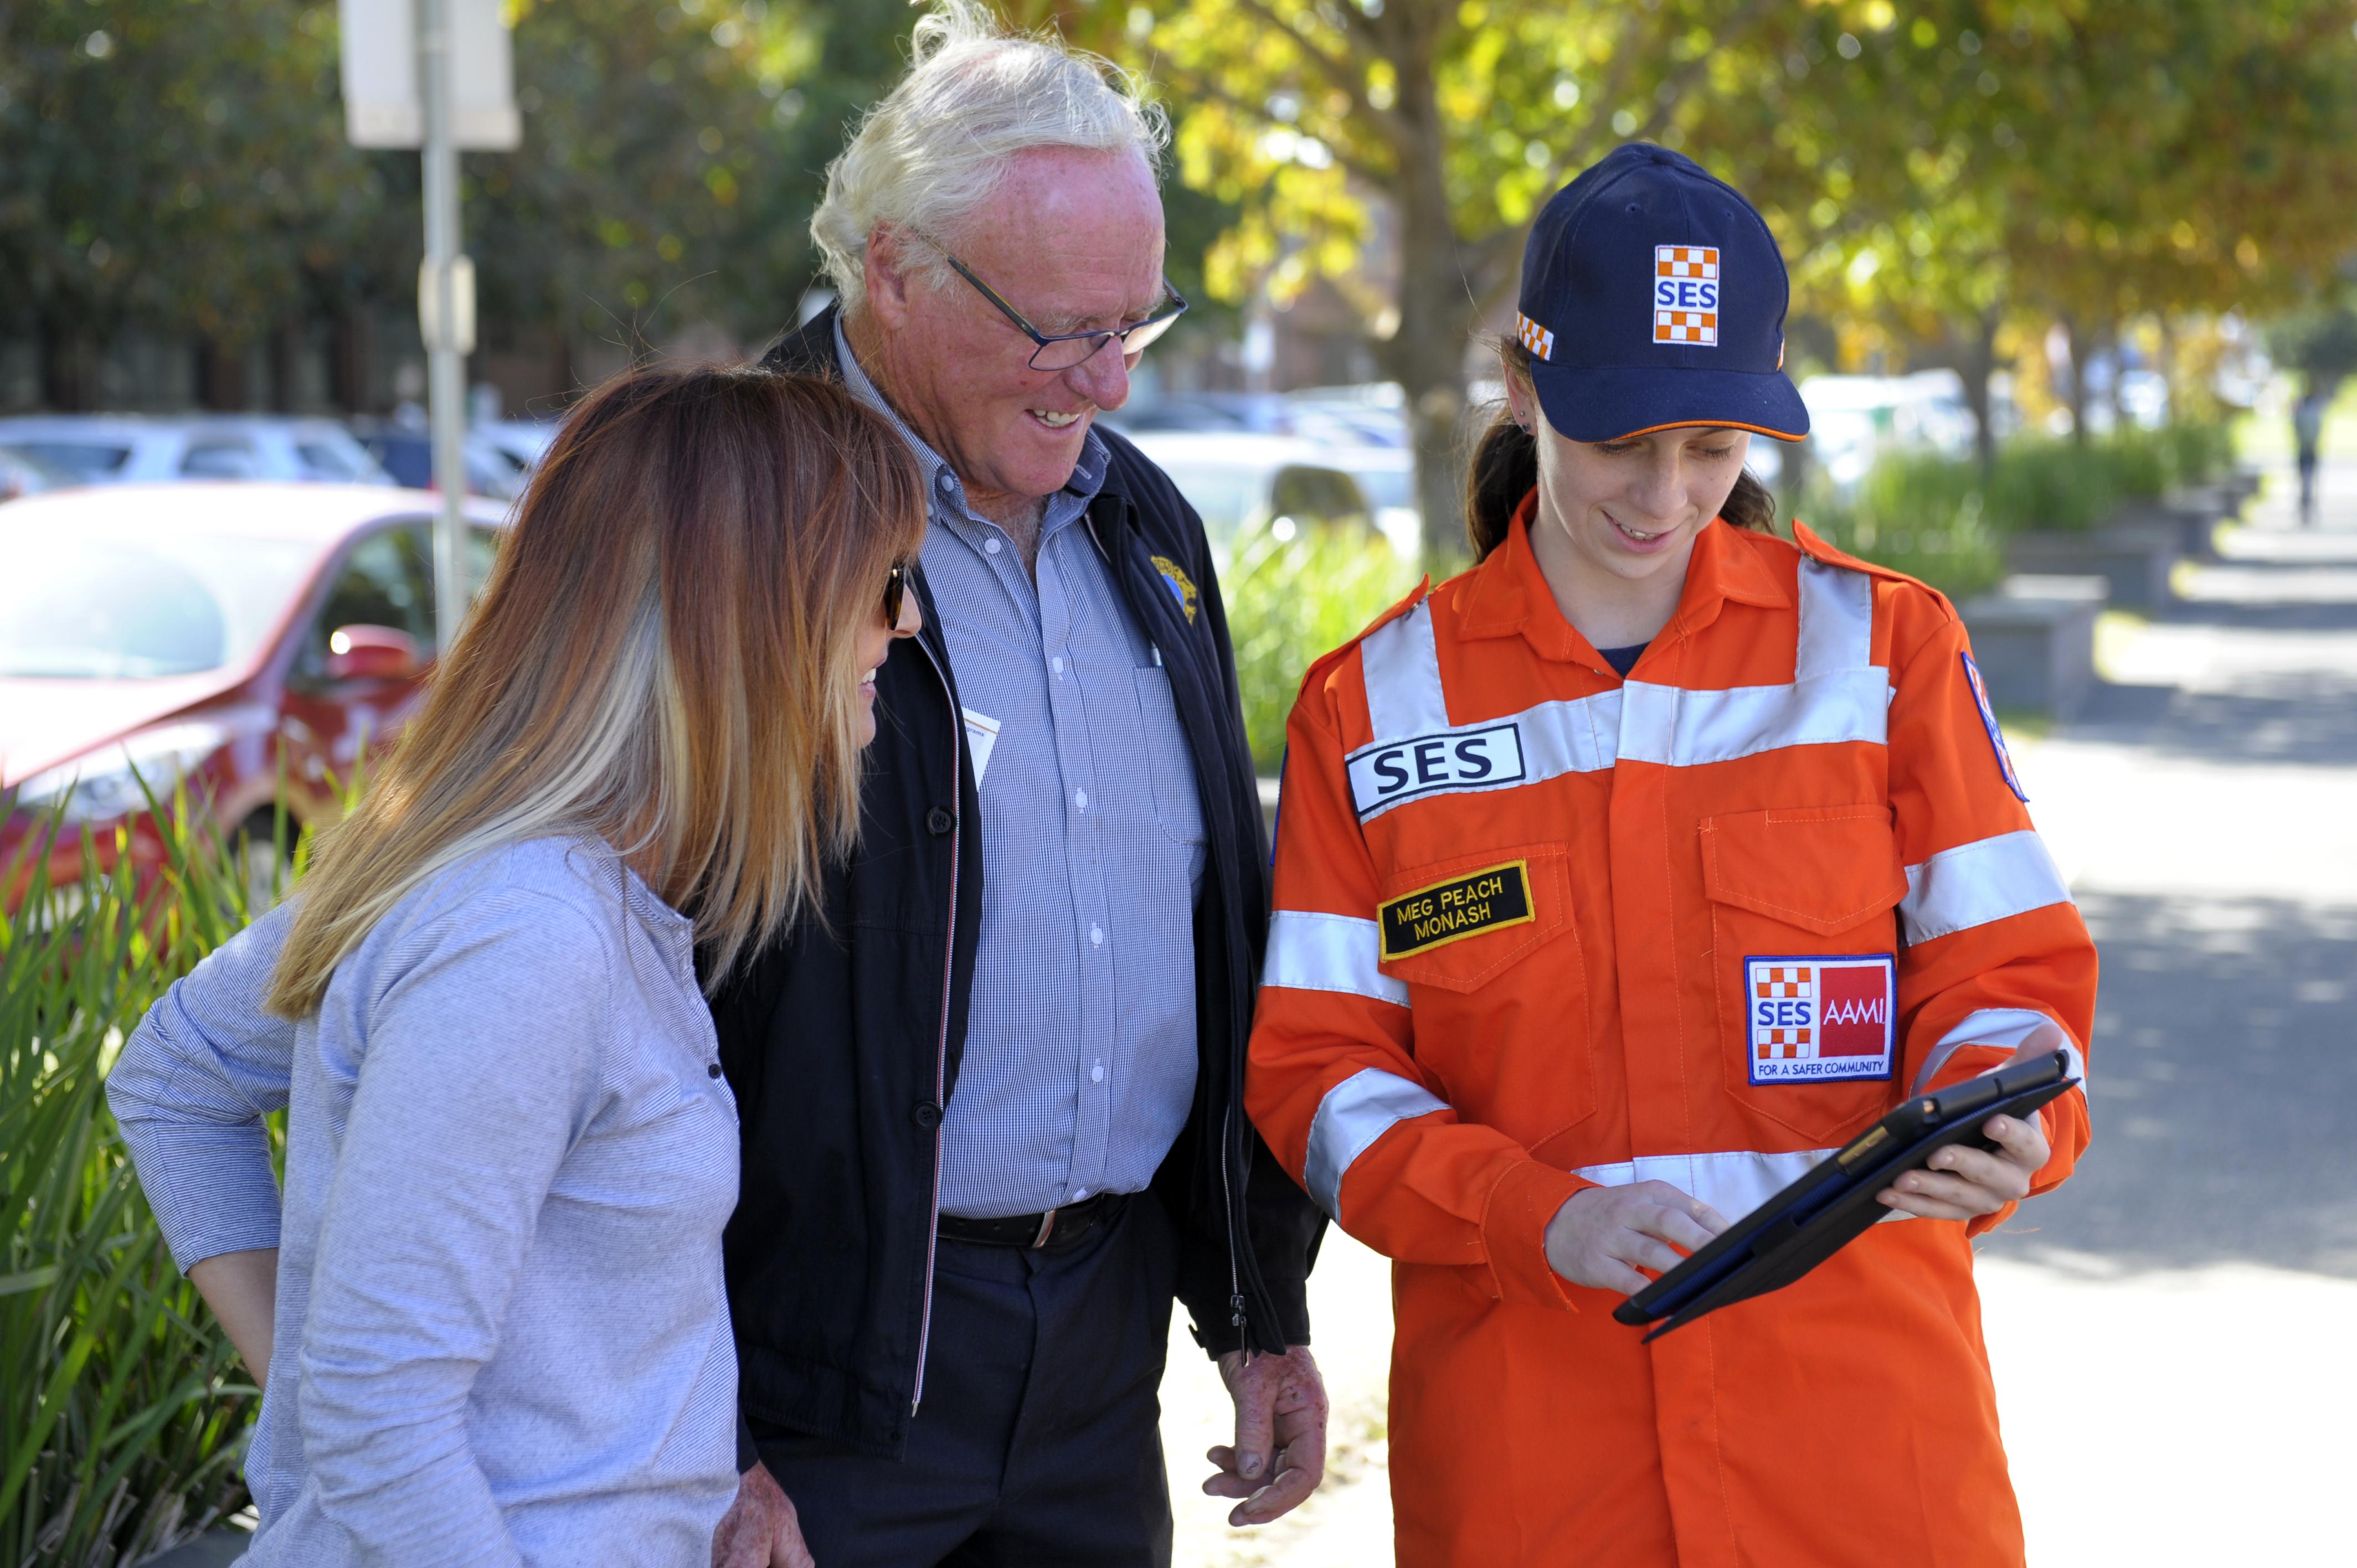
[{"x": 1818, "y": 1215}]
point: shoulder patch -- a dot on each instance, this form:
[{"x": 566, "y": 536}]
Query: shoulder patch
[
  {"x": 1182, "y": 587},
  {"x": 1995, "y": 734}
]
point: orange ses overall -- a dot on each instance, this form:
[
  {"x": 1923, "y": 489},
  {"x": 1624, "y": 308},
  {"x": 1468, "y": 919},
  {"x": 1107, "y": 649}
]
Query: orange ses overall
[{"x": 1538, "y": 929}]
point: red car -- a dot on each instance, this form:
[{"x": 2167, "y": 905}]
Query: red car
[{"x": 213, "y": 636}]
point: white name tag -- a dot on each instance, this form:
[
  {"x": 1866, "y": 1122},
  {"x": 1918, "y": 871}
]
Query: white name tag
[
  {"x": 1456, "y": 759},
  {"x": 981, "y": 736}
]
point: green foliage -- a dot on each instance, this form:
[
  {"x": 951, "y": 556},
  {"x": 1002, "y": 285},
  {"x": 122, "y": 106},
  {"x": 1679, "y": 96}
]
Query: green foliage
[
  {"x": 122, "y": 1410},
  {"x": 1918, "y": 513},
  {"x": 1290, "y": 601},
  {"x": 1942, "y": 519}
]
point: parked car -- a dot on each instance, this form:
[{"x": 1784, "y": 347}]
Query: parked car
[
  {"x": 213, "y": 637},
  {"x": 1240, "y": 483},
  {"x": 22, "y": 474},
  {"x": 522, "y": 441},
  {"x": 108, "y": 449},
  {"x": 406, "y": 453}
]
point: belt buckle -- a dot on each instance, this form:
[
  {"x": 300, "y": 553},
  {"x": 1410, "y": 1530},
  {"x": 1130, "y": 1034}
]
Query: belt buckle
[{"x": 1047, "y": 1229}]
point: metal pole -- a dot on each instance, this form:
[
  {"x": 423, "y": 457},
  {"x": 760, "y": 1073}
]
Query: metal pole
[{"x": 445, "y": 362}]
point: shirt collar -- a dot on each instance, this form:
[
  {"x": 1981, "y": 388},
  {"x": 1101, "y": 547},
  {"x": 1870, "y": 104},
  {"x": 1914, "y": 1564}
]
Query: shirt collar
[
  {"x": 1507, "y": 593},
  {"x": 940, "y": 479}
]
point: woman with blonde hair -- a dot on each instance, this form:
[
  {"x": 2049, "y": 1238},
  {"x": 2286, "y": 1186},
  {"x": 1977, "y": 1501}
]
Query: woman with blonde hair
[{"x": 489, "y": 1310}]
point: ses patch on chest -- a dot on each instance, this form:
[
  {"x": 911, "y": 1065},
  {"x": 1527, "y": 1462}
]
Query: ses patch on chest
[
  {"x": 1486, "y": 900},
  {"x": 1386, "y": 774},
  {"x": 1809, "y": 1020}
]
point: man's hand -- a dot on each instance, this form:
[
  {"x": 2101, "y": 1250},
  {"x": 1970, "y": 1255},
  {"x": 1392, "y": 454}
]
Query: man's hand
[
  {"x": 1603, "y": 1235},
  {"x": 1280, "y": 1452},
  {"x": 760, "y": 1529}
]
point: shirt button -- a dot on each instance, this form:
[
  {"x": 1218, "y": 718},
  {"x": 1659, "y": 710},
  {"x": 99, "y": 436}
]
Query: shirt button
[
  {"x": 991, "y": 545},
  {"x": 1057, "y": 664},
  {"x": 1096, "y": 1073},
  {"x": 712, "y": 1069},
  {"x": 1096, "y": 936},
  {"x": 939, "y": 821},
  {"x": 926, "y": 1114},
  {"x": 1080, "y": 799},
  {"x": 1082, "y": 1193}
]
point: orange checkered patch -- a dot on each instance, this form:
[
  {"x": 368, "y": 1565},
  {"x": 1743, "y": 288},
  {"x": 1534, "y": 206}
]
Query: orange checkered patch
[
  {"x": 1536, "y": 338},
  {"x": 1798, "y": 980},
  {"x": 1685, "y": 295}
]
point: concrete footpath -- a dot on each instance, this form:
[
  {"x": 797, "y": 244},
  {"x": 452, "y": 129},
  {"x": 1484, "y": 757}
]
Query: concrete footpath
[{"x": 2175, "y": 1332}]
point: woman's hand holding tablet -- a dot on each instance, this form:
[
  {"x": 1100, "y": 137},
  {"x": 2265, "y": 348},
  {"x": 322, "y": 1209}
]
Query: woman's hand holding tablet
[{"x": 1603, "y": 1235}]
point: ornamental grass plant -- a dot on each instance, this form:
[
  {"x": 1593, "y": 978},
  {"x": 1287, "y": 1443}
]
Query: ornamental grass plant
[
  {"x": 1944, "y": 519},
  {"x": 1292, "y": 600},
  {"x": 124, "y": 1410}
]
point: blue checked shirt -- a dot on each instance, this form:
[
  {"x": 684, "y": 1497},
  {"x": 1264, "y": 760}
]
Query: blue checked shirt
[{"x": 1079, "y": 1047}]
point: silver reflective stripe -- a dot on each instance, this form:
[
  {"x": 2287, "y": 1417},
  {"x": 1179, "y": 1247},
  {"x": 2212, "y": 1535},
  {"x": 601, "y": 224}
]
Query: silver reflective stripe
[
  {"x": 1837, "y": 694},
  {"x": 1972, "y": 883},
  {"x": 1836, "y": 620},
  {"x": 1310, "y": 951},
  {"x": 1677, "y": 726},
  {"x": 1403, "y": 672},
  {"x": 2008, "y": 1029},
  {"x": 1354, "y": 1114},
  {"x": 1734, "y": 1182}
]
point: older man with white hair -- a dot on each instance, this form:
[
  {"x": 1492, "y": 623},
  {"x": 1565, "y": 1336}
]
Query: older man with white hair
[{"x": 991, "y": 1111}]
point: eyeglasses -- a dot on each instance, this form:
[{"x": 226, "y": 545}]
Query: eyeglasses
[
  {"x": 896, "y": 594},
  {"x": 1062, "y": 351}
]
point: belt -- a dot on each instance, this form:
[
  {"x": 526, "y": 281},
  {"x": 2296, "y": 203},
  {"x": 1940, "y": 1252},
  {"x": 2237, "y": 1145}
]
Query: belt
[{"x": 1057, "y": 1228}]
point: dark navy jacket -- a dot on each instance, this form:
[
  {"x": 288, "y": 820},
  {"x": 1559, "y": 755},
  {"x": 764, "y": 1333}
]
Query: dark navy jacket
[{"x": 841, "y": 1043}]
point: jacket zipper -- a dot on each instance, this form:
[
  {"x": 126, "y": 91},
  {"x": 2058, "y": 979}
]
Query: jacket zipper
[{"x": 942, "y": 1049}]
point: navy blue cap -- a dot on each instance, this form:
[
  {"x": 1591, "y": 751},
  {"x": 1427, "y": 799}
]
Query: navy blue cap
[{"x": 1652, "y": 297}]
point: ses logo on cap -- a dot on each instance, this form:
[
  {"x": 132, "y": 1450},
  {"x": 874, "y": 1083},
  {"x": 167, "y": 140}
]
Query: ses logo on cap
[
  {"x": 1813, "y": 1019},
  {"x": 1685, "y": 295}
]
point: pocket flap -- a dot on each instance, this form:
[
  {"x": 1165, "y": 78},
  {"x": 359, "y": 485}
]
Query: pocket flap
[
  {"x": 1821, "y": 868},
  {"x": 1456, "y": 923}
]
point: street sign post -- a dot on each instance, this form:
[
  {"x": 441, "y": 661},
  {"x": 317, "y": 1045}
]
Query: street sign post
[{"x": 437, "y": 75}]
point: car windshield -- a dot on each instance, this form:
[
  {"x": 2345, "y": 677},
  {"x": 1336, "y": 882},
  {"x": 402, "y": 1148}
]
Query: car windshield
[
  {"x": 86, "y": 460},
  {"x": 119, "y": 605}
]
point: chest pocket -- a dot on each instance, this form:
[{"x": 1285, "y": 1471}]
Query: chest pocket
[
  {"x": 1804, "y": 962},
  {"x": 1168, "y": 760},
  {"x": 1486, "y": 944}
]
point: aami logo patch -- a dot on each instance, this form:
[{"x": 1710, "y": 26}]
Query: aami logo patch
[
  {"x": 1397, "y": 770},
  {"x": 1810, "y": 1019},
  {"x": 1485, "y": 900},
  {"x": 1685, "y": 295}
]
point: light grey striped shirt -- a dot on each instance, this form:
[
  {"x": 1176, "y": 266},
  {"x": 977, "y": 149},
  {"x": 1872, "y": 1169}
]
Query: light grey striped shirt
[
  {"x": 501, "y": 1336},
  {"x": 1081, "y": 1048}
]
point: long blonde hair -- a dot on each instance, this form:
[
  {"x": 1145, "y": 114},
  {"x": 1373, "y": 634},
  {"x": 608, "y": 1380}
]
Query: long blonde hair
[{"x": 665, "y": 657}]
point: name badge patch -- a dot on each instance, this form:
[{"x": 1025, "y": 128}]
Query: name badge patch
[
  {"x": 1814, "y": 1019},
  {"x": 1459, "y": 760},
  {"x": 1467, "y": 906}
]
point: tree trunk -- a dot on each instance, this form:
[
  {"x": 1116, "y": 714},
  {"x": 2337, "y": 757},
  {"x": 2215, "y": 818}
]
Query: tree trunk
[
  {"x": 1426, "y": 355},
  {"x": 69, "y": 368},
  {"x": 1979, "y": 366},
  {"x": 220, "y": 376},
  {"x": 2078, "y": 382},
  {"x": 351, "y": 367}
]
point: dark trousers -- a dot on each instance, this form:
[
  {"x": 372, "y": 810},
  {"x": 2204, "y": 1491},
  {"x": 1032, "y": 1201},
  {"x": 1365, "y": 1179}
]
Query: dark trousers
[{"x": 1038, "y": 1443}]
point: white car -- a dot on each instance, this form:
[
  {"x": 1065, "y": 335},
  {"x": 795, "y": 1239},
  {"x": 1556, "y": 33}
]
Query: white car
[
  {"x": 109, "y": 448},
  {"x": 1239, "y": 483}
]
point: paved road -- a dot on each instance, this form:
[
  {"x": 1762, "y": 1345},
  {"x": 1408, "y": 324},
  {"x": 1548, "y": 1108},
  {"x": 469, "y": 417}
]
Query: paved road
[{"x": 2172, "y": 1331}]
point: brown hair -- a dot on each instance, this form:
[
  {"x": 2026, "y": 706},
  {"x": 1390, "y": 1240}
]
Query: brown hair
[
  {"x": 665, "y": 657},
  {"x": 1505, "y": 469}
]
